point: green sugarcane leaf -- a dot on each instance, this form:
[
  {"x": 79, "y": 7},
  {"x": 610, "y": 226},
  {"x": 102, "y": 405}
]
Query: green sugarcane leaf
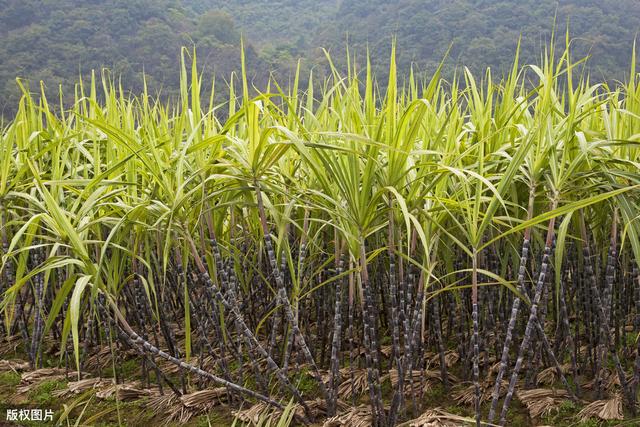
[{"x": 74, "y": 311}]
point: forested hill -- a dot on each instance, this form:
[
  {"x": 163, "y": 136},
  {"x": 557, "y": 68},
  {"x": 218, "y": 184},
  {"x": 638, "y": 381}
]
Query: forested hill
[
  {"x": 484, "y": 33},
  {"x": 481, "y": 33},
  {"x": 56, "y": 40}
]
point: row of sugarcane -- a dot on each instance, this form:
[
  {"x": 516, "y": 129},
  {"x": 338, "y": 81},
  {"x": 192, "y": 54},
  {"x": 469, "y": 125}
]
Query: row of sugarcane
[{"x": 299, "y": 236}]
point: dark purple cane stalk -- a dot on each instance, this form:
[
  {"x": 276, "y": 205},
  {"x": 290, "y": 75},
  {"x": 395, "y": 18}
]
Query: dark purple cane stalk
[
  {"x": 20, "y": 315},
  {"x": 569, "y": 339},
  {"x": 585, "y": 308},
  {"x": 140, "y": 342},
  {"x": 168, "y": 334},
  {"x": 337, "y": 338},
  {"x": 139, "y": 298},
  {"x": 612, "y": 257},
  {"x": 636, "y": 298},
  {"x": 504, "y": 360},
  {"x": 440, "y": 343},
  {"x": 324, "y": 305},
  {"x": 106, "y": 322},
  {"x": 282, "y": 297},
  {"x": 202, "y": 325},
  {"x": 276, "y": 325},
  {"x": 536, "y": 352},
  {"x": 302, "y": 253},
  {"x": 475, "y": 340},
  {"x": 6, "y": 276},
  {"x": 556, "y": 364},
  {"x": 531, "y": 323},
  {"x": 371, "y": 345},
  {"x": 229, "y": 279},
  {"x": 350, "y": 314},
  {"x": 635, "y": 385},
  {"x": 38, "y": 322},
  {"x": 605, "y": 331},
  {"x": 416, "y": 336},
  {"x": 395, "y": 334},
  {"x": 231, "y": 307}
]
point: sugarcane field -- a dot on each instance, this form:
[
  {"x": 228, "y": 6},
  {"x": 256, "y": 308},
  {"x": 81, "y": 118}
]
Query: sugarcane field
[{"x": 331, "y": 250}]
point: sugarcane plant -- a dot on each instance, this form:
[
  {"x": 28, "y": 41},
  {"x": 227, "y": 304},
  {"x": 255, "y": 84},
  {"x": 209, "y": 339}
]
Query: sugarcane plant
[{"x": 332, "y": 252}]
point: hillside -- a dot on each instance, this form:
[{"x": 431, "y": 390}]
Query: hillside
[
  {"x": 54, "y": 41},
  {"x": 484, "y": 33}
]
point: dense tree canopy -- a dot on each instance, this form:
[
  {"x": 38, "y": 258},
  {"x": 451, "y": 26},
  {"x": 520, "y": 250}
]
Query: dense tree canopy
[
  {"x": 54, "y": 41},
  {"x": 485, "y": 33}
]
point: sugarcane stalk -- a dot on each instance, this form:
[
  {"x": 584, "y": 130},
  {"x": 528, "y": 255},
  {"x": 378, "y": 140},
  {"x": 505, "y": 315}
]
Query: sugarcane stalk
[
  {"x": 337, "y": 339},
  {"x": 601, "y": 312},
  {"x": 146, "y": 345},
  {"x": 38, "y": 322},
  {"x": 524, "y": 346},
  {"x": 636, "y": 365},
  {"x": 395, "y": 322},
  {"x": 515, "y": 308},
  {"x": 350, "y": 314},
  {"x": 245, "y": 329},
  {"x": 475, "y": 339},
  {"x": 302, "y": 253},
  {"x": 370, "y": 339},
  {"x": 282, "y": 294}
]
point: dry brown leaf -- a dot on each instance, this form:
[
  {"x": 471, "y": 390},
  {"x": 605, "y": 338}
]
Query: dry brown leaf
[
  {"x": 542, "y": 401},
  {"x": 428, "y": 376},
  {"x": 550, "y": 376},
  {"x": 77, "y": 387},
  {"x": 609, "y": 378},
  {"x": 359, "y": 416},
  {"x": 13, "y": 365},
  {"x": 607, "y": 409},
  {"x": 259, "y": 411},
  {"x": 356, "y": 385},
  {"x": 467, "y": 395},
  {"x": 10, "y": 344},
  {"x": 32, "y": 379},
  {"x": 438, "y": 418},
  {"x": 126, "y": 392},
  {"x": 451, "y": 357}
]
